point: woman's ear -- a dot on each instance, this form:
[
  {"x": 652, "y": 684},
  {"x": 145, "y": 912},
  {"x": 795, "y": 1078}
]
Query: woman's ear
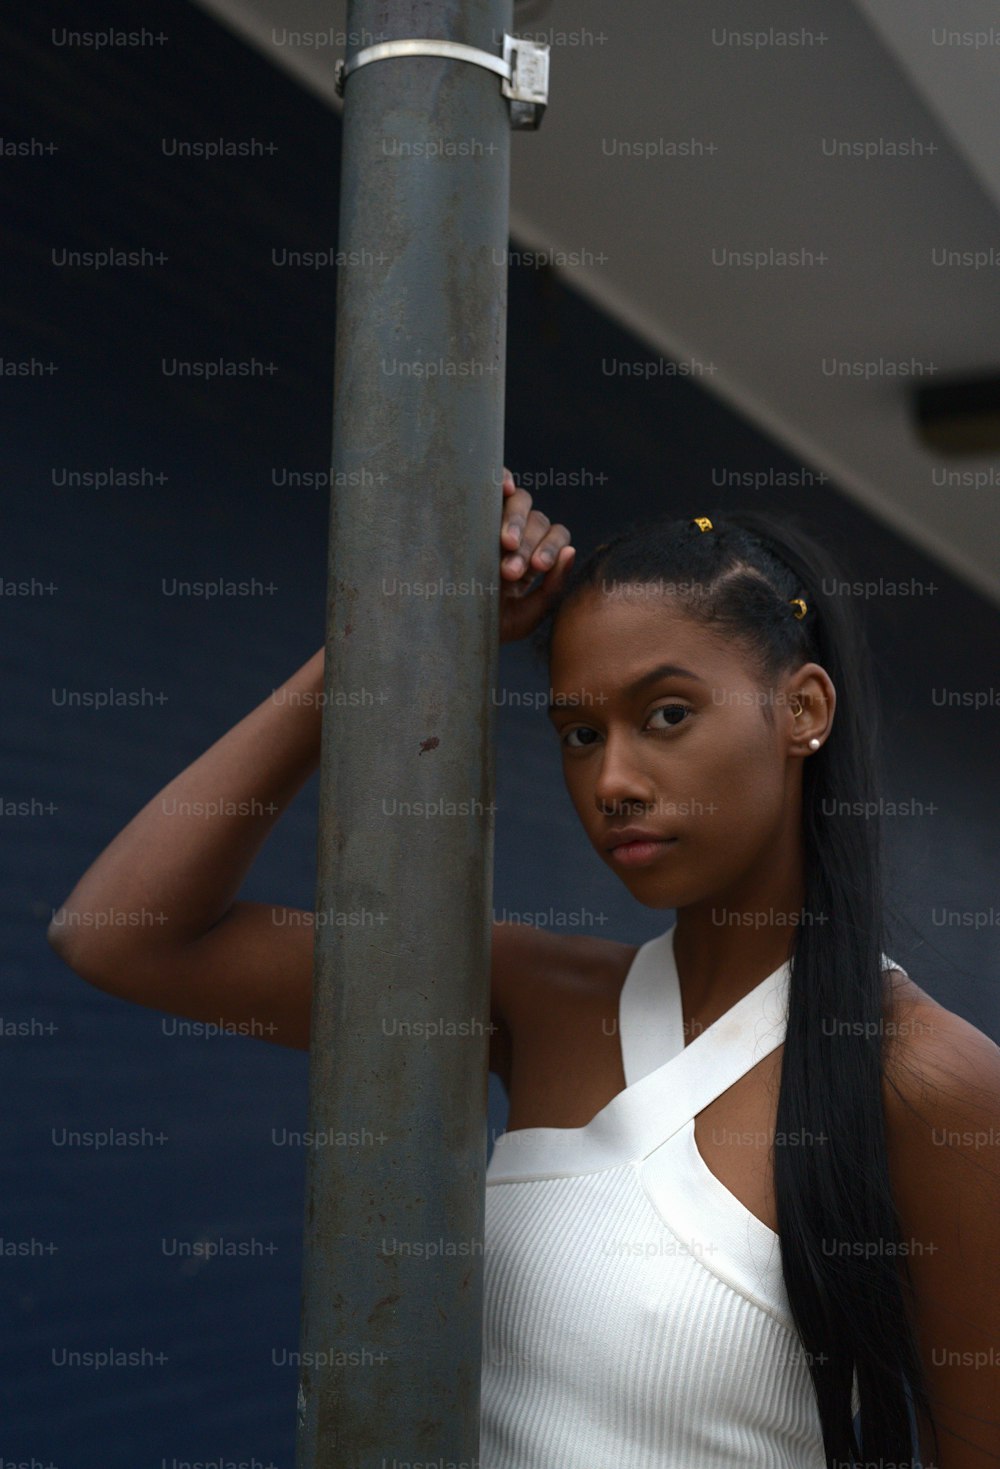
[{"x": 810, "y": 700}]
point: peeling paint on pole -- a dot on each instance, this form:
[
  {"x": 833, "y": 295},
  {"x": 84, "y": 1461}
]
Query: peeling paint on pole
[{"x": 391, "y": 1334}]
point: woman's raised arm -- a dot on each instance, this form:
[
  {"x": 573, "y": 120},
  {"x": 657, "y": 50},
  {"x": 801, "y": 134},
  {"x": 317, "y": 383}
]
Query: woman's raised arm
[{"x": 153, "y": 919}]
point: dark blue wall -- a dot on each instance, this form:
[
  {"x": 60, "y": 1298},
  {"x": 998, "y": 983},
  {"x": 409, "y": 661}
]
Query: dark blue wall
[{"x": 213, "y": 1170}]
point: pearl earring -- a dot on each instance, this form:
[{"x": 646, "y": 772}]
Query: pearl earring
[{"x": 814, "y": 743}]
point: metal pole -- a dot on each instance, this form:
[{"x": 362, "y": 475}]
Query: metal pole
[{"x": 391, "y": 1328}]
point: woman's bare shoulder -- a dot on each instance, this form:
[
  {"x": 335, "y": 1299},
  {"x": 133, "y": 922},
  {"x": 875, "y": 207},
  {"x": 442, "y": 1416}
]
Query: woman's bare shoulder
[
  {"x": 933, "y": 1052},
  {"x": 943, "y": 1131},
  {"x": 535, "y": 967}
]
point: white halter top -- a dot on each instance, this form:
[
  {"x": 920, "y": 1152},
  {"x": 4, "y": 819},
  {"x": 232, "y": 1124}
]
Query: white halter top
[{"x": 635, "y": 1315}]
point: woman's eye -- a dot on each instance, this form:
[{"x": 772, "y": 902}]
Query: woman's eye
[
  {"x": 673, "y": 714},
  {"x": 669, "y": 710},
  {"x": 582, "y": 730}
]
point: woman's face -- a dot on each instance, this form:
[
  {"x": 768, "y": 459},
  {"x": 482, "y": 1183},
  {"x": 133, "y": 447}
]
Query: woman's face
[{"x": 685, "y": 752}]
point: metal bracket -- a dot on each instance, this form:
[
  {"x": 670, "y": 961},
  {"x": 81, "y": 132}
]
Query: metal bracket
[{"x": 523, "y": 69}]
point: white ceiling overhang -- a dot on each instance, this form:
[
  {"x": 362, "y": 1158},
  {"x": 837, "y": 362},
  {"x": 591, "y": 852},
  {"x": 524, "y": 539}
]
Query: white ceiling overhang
[{"x": 776, "y": 133}]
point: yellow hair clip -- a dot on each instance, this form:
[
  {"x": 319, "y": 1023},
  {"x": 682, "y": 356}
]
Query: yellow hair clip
[{"x": 702, "y": 522}]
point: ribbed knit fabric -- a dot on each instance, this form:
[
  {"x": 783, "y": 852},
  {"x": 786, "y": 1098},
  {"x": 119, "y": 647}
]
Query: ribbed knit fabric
[{"x": 635, "y": 1311}]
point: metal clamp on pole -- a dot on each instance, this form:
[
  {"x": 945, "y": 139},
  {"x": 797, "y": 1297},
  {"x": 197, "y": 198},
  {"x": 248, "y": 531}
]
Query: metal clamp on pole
[{"x": 523, "y": 69}]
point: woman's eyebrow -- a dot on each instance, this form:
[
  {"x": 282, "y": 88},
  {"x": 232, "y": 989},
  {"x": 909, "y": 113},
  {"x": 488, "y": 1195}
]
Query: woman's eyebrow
[{"x": 662, "y": 670}]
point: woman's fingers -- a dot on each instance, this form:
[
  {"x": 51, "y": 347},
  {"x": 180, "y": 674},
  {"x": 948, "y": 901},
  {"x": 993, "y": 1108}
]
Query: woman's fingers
[
  {"x": 554, "y": 577},
  {"x": 546, "y": 541},
  {"x": 530, "y": 546},
  {"x": 528, "y": 537},
  {"x": 516, "y": 509},
  {"x": 539, "y": 549}
]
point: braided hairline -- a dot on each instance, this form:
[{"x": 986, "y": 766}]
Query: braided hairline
[
  {"x": 740, "y": 568},
  {"x": 765, "y": 544}
]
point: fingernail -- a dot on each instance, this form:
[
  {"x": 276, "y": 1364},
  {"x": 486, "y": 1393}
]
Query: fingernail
[
  {"x": 546, "y": 556},
  {"x": 516, "y": 563}
]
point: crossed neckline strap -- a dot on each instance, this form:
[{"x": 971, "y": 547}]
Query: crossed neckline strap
[
  {"x": 666, "y": 1083},
  {"x": 650, "y": 1012}
]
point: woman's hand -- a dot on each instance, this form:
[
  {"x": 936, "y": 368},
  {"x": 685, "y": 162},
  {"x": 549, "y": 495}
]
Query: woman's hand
[{"x": 529, "y": 545}]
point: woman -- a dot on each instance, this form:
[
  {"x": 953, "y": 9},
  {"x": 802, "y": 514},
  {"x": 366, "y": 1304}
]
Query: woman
[{"x": 758, "y": 1073}]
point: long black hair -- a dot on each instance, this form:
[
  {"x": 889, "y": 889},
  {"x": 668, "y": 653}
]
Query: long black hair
[{"x": 846, "y": 1275}]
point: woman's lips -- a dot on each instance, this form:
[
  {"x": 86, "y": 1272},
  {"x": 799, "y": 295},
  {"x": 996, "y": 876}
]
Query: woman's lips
[{"x": 638, "y": 854}]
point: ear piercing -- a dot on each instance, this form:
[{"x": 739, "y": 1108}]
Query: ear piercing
[{"x": 814, "y": 743}]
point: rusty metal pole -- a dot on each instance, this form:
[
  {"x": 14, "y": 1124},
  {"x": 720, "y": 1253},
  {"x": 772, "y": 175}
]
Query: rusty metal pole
[{"x": 391, "y": 1328}]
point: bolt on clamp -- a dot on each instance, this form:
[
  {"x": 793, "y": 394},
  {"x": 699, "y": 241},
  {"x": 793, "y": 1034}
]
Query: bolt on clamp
[{"x": 523, "y": 69}]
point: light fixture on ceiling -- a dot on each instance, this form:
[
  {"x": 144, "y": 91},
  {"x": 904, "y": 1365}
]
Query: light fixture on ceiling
[{"x": 960, "y": 416}]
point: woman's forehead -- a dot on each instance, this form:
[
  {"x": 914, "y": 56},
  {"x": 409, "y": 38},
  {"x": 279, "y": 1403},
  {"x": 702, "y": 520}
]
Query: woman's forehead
[{"x": 616, "y": 640}]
